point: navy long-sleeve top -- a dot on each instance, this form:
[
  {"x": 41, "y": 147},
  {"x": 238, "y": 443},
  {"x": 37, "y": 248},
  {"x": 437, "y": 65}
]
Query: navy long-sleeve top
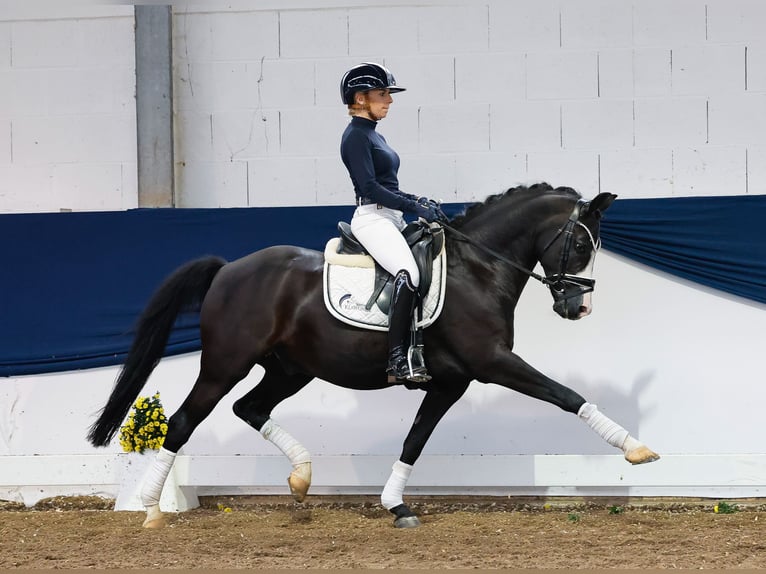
[{"x": 373, "y": 165}]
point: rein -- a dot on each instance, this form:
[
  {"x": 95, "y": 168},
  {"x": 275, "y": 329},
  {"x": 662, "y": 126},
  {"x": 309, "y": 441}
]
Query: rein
[{"x": 560, "y": 280}]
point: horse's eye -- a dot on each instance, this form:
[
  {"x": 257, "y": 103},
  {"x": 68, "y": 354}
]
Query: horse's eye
[{"x": 581, "y": 247}]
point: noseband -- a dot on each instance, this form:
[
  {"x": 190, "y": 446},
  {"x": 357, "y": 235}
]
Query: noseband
[{"x": 561, "y": 284}]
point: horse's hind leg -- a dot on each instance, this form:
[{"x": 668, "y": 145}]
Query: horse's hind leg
[
  {"x": 204, "y": 396},
  {"x": 255, "y": 409}
]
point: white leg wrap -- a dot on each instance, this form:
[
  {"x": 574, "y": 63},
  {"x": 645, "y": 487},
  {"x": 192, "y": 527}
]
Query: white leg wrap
[
  {"x": 292, "y": 449},
  {"x": 155, "y": 478},
  {"x": 394, "y": 489},
  {"x": 609, "y": 430}
]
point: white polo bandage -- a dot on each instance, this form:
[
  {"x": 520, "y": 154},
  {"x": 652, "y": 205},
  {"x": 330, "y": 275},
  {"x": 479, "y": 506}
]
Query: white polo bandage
[
  {"x": 291, "y": 448},
  {"x": 155, "y": 478},
  {"x": 394, "y": 488},
  {"x": 609, "y": 430}
]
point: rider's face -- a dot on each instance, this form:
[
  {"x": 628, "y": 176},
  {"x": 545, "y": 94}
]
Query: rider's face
[{"x": 376, "y": 103}]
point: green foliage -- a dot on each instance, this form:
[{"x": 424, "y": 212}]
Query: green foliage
[
  {"x": 573, "y": 517},
  {"x": 614, "y": 509}
]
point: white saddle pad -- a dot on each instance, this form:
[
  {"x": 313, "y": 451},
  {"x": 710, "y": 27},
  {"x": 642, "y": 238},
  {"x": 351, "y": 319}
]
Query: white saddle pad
[{"x": 349, "y": 281}]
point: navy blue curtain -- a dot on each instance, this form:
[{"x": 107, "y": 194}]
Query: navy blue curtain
[
  {"x": 72, "y": 284},
  {"x": 719, "y": 242}
]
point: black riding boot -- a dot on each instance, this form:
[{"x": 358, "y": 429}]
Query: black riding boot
[{"x": 399, "y": 321}]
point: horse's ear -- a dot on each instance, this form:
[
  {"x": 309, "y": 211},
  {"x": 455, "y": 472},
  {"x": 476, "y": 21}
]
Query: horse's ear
[{"x": 600, "y": 203}]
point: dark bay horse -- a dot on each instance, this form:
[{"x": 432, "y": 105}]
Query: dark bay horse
[{"x": 267, "y": 308}]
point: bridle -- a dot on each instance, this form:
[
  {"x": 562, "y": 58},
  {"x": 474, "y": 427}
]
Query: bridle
[{"x": 562, "y": 284}]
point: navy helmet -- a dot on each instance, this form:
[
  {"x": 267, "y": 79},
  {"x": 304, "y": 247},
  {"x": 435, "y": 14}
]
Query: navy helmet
[{"x": 367, "y": 76}]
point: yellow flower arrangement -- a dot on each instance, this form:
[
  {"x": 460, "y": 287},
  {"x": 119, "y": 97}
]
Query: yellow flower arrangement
[{"x": 146, "y": 426}]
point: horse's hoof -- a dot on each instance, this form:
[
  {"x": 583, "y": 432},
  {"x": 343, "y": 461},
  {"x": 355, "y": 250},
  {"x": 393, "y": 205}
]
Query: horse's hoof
[
  {"x": 407, "y": 522},
  {"x": 299, "y": 481},
  {"x": 641, "y": 455},
  {"x": 154, "y": 517},
  {"x": 155, "y": 523}
]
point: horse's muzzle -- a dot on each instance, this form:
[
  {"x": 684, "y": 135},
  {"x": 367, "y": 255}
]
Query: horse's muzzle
[{"x": 572, "y": 296}]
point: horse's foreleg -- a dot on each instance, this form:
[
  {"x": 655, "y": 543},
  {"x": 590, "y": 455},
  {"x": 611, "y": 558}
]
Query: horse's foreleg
[
  {"x": 635, "y": 451},
  {"x": 434, "y": 406},
  {"x": 509, "y": 370}
]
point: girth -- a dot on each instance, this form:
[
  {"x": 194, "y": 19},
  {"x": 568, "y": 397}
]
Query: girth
[{"x": 426, "y": 243}]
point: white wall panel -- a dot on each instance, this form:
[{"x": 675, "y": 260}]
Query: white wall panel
[
  {"x": 596, "y": 24},
  {"x": 17, "y": 180},
  {"x": 45, "y": 44},
  {"x": 5, "y": 45},
  {"x": 499, "y": 78},
  {"x": 597, "y": 124},
  {"x": 211, "y": 184},
  {"x": 615, "y": 73},
  {"x": 286, "y": 181},
  {"x": 756, "y": 68},
  {"x": 311, "y": 131},
  {"x": 192, "y": 37},
  {"x": 76, "y": 138},
  {"x": 523, "y": 26},
  {"x": 652, "y": 72},
  {"x": 429, "y": 79},
  {"x": 244, "y": 134},
  {"x": 453, "y": 29},
  {"x": 389, "y": 30},
  {"x": 313, "y": 34},
  {"x": 193, "y": 136},
  {"x": 5, "y": 141},
  {"x": 756, "y": 169},
  {"x": 247, "y": 36},
  {"x": 669, "y": 22},
  {"x": 484, "y": 174},
  {"x": 94, "y": 187},
  {"x": 738, "y": 119},
  {"x": 663, "y": 122},
  {"x": 24, "y": 92},
  {"x": 636, "y": 173},
  {"x": 526, "y": 126},
  {"x": 709, "y": 171},
  {"x": 577, "y": 169},
  {"x": 455, "y": 128},
  {"x": 334, "y": 185},
  {"x": 736, "y": 21},
  {"x": 708, "y": 70},
  {"x": 562, "y": 75},
  {"x": 429, "y": 175}
]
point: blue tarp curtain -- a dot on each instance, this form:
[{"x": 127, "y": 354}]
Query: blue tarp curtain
[{"x": 73, "y": 284}]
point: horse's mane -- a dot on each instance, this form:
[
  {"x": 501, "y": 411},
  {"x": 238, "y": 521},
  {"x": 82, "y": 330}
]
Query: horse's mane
[{"x": 538, "y": 188}]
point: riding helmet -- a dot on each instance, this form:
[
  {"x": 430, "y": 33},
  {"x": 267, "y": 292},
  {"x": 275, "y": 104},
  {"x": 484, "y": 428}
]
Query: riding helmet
[{"x": 366, "y": 76}]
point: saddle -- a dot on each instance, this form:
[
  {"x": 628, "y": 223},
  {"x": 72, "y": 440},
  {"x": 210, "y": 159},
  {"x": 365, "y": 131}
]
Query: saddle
[
  {"x": 357, "y": 290},
  {"x": 425, "y": 241}
]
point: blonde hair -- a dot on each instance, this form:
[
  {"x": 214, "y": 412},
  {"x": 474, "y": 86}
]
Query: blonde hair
[{"x": 355, "y": 108}]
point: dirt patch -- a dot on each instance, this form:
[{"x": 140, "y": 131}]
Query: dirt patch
[{"x": 324, "y": 532}]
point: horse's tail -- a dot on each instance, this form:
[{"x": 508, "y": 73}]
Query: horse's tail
[{"x": 183, "y": 290}]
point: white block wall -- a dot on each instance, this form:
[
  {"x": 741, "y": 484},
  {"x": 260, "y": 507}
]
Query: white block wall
[
  {"x": 644, "y": 98},
  {"x": 67, "y": 108}
]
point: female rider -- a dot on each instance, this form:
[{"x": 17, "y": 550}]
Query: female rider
[{"x": 378, "y": 220}]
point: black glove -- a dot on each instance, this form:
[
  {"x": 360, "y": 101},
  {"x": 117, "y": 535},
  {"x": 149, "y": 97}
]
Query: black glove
[
  {"x": 434, "y": 205},
  {"x": 427, "y": 212}
]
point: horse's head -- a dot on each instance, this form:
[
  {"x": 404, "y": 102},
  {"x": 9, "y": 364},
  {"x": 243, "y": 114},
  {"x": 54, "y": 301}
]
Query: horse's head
[{"x": 567, "y": 256}]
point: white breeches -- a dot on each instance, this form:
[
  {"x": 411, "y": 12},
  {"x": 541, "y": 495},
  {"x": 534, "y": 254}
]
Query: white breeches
[{"x": 379, "y": 231}]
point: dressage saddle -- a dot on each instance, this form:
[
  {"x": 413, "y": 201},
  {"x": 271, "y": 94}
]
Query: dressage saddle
[{"x": 426, "y": 242}]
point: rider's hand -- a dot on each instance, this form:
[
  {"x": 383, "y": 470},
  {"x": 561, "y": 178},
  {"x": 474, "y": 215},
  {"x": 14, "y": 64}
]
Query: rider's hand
[{"x": 428, "y": 212}]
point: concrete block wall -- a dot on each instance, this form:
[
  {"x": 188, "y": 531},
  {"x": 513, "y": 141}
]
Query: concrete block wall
[
  {"x": 67, "y": 108},
  {"x": 644, "y": 98}
]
